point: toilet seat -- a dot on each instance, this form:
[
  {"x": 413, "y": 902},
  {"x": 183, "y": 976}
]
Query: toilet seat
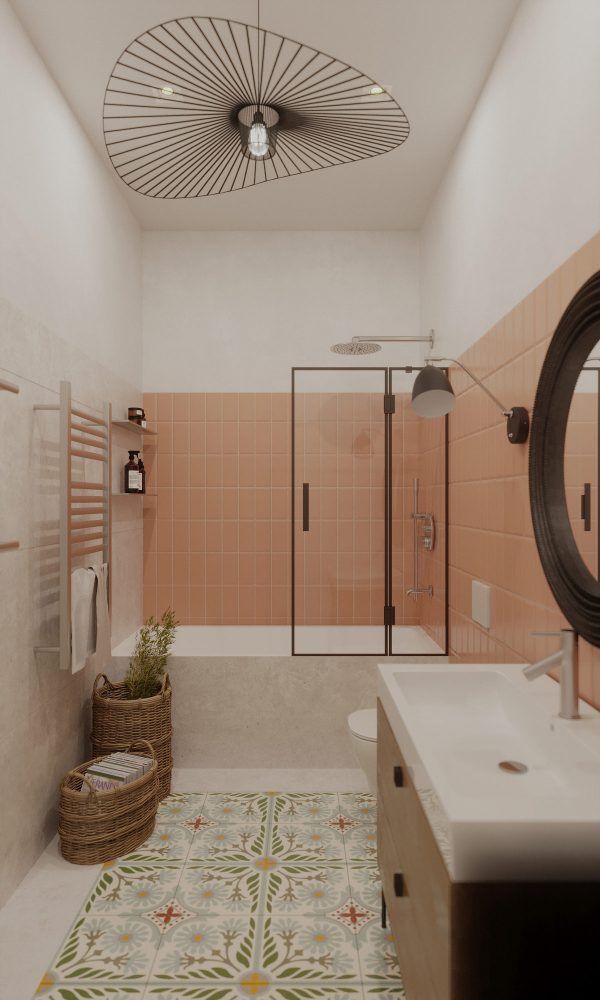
[{"x": 363, "y": 724}]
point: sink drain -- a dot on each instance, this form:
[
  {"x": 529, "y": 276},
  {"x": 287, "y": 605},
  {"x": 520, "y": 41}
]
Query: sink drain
[{"x": 513, "y": 766}]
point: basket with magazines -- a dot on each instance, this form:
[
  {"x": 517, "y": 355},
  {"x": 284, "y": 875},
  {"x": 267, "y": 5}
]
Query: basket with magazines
[{"x": 108, "y": 805}]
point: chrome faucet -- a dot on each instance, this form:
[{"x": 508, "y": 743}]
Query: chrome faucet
[{"x": 567, "y": 659}]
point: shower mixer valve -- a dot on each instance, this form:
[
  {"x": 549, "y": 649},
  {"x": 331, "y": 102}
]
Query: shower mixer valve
[{"x": 425, "y": 538}]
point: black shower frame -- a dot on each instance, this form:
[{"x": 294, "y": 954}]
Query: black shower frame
[{"x": 388, "y": 416}]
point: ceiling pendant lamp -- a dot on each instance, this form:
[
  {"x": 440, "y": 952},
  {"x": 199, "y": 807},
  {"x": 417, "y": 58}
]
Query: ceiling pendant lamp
[
  {"x": 258, "y": 133},
  {"x": 201, "y": 106}
]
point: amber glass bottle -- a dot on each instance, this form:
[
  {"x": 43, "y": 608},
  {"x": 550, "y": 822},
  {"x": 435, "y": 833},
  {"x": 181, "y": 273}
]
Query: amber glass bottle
[{"x": 132, "y": 474}]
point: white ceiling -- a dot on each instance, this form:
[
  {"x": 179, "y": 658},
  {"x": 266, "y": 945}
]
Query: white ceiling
[{"x": 434, "y": 56}]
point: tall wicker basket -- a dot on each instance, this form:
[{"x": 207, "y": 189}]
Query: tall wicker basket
[
  {"x": 101, "y": 826},
  {"x": 118, "y": 719}
]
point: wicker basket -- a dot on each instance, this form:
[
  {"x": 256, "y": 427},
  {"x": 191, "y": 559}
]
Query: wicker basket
[
  {"x": 118, "y": 719},
  {"x": 101, "y": 826}
]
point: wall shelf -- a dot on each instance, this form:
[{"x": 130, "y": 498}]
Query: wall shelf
[
  {"x": 122, "y": 493},
  {"x": 130, "y": 425}
]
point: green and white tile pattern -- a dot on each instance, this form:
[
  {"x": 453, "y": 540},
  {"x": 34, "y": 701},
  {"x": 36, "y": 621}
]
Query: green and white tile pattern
[{"x": 237, "y": 895}]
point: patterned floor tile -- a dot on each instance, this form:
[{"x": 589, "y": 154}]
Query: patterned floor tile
[
  {"x": 104, "y": 948},
  {"x": 306, "y": 887},
  {"x": 134, "y": 888},
  {"x": 365, "y": 883},
  {"x": 204, "y": 948},
  {"x": 308, "y": 989},
  {"x": 243, "y": 807},
  {"x": 187, "y": 991},
  {"x": 85, "y": 991},
  {"x": 306, "y": 842},
  {"x": 308, "y": 947},
  {"x": 208, "y": 887},
  {"x": 169, "y": 842},
  {"x": 273, "y": 895},
  {"x": 353, "y": 915},
  {"x": 305, "y": 807},
  {"x": 254, "y": 984},
  {"x": 179, "y": 807},
  {"x": 229, "y": 842},
  {"x": 360, "y": 843},
  {"x": 359, "y": 805},
  {"x": 384, "y": 992},
  {"x": 377, "y": 955}
]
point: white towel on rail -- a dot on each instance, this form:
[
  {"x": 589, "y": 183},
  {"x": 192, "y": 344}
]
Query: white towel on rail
[
  {"x": 83, "y": 624},
  {"x": 103, "y": 648}
]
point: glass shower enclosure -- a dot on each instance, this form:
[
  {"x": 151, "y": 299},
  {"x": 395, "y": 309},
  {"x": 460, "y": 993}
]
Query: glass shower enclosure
[{"x": 369, "y": 501}]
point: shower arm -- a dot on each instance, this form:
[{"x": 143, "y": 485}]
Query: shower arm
[
  {"x": 454, "y": 361},
  {"x": 395, "y": 340}
]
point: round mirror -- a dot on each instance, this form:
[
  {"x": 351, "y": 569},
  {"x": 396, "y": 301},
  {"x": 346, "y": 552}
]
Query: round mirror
[
  {"x": 581, "y": 462},
  {"x": 563, "y": 462}
]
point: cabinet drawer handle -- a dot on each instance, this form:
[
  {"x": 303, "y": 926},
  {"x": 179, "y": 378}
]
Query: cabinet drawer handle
[
  {"x": 398, "y": 776},
  {"x": 399, "y": 887}
]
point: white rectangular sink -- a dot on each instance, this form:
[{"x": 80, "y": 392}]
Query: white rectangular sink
[{"x": 455, "y": 725}]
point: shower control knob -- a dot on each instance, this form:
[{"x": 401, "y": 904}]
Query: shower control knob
[{"x": 428, "y": 532}]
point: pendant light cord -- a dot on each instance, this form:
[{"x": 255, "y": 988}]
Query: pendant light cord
[{"x": 258, "y": 68}]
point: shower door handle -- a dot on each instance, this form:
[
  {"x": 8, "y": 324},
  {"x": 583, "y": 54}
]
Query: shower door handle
[{"x": 305, "y": 507}]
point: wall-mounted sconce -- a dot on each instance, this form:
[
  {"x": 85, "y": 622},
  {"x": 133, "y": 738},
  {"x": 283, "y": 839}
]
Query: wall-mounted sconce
[{"x": 433, "y": 396}]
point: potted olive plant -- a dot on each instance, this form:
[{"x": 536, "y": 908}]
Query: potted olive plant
[{"x": 140, "y": 706}]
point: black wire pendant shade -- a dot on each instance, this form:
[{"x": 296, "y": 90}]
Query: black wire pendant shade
[{"x": 201, "y": 106}]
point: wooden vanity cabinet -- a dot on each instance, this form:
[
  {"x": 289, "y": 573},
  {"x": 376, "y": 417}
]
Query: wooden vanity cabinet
[{"x": 475, "y": 941}]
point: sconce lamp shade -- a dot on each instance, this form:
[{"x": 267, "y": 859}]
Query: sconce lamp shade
[{"x": 432, "y": 394}]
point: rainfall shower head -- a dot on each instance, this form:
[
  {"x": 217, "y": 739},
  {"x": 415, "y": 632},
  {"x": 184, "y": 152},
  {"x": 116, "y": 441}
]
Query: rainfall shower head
[
  {"x": 370, "y": 345},
  {"x": 354, "y": 347}
]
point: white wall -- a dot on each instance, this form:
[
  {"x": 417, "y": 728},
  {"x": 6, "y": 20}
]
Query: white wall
[
  {"x": 70, "y": 254},
  {"x": 70, "y": 308},
  {"x": 522, "y": 191},
  {"x": 235, "y": 311}
]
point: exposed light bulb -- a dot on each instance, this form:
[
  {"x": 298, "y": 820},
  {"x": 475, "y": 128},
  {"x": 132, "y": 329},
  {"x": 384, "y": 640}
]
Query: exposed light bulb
[
  {"x": 258, "y": 138},
  {"x": 167, "y": 91},
  {"x": 376, "y": 90}
]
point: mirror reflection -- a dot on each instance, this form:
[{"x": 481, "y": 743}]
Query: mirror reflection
[{"x": 581, "y": 462}]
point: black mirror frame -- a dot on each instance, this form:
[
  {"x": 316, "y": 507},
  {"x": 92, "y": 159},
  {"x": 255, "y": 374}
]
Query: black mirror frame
[{"x": 575, "y": 589}]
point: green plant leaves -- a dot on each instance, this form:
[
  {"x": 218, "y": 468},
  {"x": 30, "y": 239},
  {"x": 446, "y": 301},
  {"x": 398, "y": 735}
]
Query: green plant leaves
[{"x": 150, "y": 654}]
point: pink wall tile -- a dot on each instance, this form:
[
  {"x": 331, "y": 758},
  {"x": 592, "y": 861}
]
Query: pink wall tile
[
  {"x": 221, "y": 522},
  {"x": 197, "y": 470},
  {"x": 197, "y": 406},
  {"x": 181, "y": 438},
  {"x": 164, "y": 406},
  {"x": 181, "y": 406},
  {"x": 181, "y": 470},
  {"x": 214, "y": 406},
  {"x": 491, "y": 535}
]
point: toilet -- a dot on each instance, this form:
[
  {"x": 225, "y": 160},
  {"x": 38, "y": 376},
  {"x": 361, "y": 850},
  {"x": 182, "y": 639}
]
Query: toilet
[{"x": 363, "y": 732}]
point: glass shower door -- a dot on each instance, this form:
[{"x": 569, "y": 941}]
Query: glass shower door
[{"x": 339, "y": 532}]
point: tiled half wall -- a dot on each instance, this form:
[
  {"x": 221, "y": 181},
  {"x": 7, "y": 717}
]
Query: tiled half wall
[
  {"x": 491, "y": 533},
  {"x": 217, "y": 535}
]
